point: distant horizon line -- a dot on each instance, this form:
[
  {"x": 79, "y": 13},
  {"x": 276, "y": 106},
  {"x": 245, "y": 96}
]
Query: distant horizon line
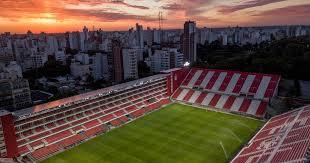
[{"x": 96, "y": 29}]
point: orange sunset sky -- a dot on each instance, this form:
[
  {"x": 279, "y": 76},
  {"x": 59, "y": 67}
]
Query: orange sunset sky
[{"x": 17, "y": 16}]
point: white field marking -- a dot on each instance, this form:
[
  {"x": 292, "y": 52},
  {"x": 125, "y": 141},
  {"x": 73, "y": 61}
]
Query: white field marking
[
  {"x": 247, "y": 126},
  {"x": 223, "y": 149},
  {"x": 244, "y": 125},
  {"x": 237, "y": 137}
]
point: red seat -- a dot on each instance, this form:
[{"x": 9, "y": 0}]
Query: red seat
[
  {"x": 94, "y": 131},
  {"x": 39, "y": 129},
  {"x": 77, "y": 128},
  {"x": 71, "y": 140},
  {"x": 58, "y": 136},
  {"x": 229, "y": 102},
  {"x": 124, "y": 119},
  {"x": 154, "y": 106},
  {"x": 188, "y": 95},
  {"x": 164, "y": 101},
  {"x": 261, "y": 109},
  {"x": 23, "y": 150},
  {"x": 116, "y": 122},
  {"x": 60, "y": 128},
  {"x": 214, "y": 100},
  {"x": 79, "y": 121},
  {"x": 177, "y": 93},
  {"x": 130, "y": 108},
  {"x": 111, "y": 110},
  {"x": 91, "y": 123},
  {"x": 46, "y": 151},
  {"x": 119, "y": 113},
  {"x": 107, "y": 118},
  {"x": 36, "y": 143},
  {"x": 245, "y": 105},
  {"x": 137, "y": 113}
]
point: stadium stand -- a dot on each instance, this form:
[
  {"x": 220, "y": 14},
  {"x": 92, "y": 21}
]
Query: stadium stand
[
  {"x": 234, "y": 91},
  {"x": 284, "y": 138},
  {"x": 43, "y": 130}
]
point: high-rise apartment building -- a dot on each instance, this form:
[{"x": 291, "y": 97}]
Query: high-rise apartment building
[
  {"x": 52, "y": 45},
  {"x": 100, "y": 66},
  {"x": 189, "y": 42},
  {"x": 117, "y": 61},
  {"x": 74, "y": 40},
  {"x": 139, "y": 36},
  {"x": 130, "y": 63}
]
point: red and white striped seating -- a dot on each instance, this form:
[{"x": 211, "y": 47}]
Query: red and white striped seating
[
  {"x": 284, "y": 138},
  {"x": 232, "y": 82},
  {"x": 234, "y": 91},
  {"x": 231, "y": 103}
]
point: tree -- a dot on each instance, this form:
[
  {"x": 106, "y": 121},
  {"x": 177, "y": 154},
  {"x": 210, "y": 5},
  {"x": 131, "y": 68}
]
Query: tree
[
  {"x": 289, "y": 57},
  {"x": 143, "y": 69},
  {"x": 53, "y": 68}
]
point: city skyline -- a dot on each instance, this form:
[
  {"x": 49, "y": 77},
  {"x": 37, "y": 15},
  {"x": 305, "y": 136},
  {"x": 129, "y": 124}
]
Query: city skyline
[{"x": 70, "y": 15}]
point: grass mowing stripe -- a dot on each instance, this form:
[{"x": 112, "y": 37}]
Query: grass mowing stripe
[{"x": 176, "y": 133}]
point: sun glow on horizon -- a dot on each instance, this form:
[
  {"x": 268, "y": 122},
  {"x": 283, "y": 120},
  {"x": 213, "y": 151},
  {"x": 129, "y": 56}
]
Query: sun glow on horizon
[{"x": 62, "y": 15}]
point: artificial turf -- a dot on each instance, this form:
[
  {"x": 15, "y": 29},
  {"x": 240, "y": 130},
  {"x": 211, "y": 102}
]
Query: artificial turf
[{"x": 176, "y": 133}]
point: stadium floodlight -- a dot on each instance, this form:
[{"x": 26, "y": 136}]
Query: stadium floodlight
[{"x": 186, "y": 64}]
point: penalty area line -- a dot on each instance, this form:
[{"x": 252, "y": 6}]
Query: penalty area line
[
  {"x": 236, "y": 136},
  {"x": 223, "y": 149}
]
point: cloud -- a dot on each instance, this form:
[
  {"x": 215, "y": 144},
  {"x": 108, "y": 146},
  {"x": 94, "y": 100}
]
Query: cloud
[
  {"x": 55, "y": 9},
  {"x": 129, "y": 5},
  {"x": 173, "y": 6},
  {"x": 290, "y": 15},
  {"x": 100, "y": 2},
  {"x": 290, "y": 11},
  {"x": 191, "y": 8},
  {"x": 118, "y": 14},
  {"x": 245, "y": 5},
  {"x": 103, "y": 15},
  {"x": 205, "y": 19}
]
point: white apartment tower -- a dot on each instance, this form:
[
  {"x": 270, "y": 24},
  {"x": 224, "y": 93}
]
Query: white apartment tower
[{"x": 130, "y": 63}]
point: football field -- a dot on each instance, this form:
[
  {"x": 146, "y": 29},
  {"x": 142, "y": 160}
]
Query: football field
[{"x": 176, "y": 133}]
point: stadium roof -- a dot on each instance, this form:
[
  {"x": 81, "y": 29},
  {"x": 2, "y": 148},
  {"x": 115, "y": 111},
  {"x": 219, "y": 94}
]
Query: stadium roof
[
  {"x": 170, "y": 70},
  {"x": 69, "y": 100}
]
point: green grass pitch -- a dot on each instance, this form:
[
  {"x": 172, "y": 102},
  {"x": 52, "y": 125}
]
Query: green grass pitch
[{"x": 176, "y": 133}]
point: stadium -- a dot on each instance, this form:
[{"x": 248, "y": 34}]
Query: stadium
[{"x": 180, "y": 115}]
